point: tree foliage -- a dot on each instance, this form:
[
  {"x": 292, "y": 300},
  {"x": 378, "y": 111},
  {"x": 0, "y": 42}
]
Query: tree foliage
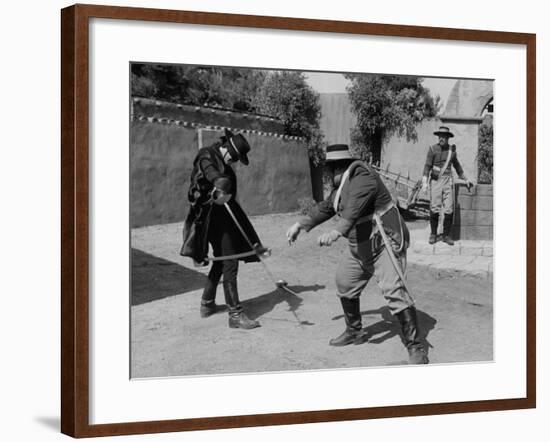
[
  {"x": 230, "y": 88},
  {"x": 385, "y": 105},
  {"x": 285, "y": 95},
  {"x": 485, "y": 152}
]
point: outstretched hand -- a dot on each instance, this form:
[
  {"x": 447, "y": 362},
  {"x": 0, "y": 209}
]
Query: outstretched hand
[
  {"x": 326, "y": 239},
  {"x": 293, "y": 232}
]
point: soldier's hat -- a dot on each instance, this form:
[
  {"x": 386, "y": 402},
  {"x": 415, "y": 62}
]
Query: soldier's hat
[
  {"x": 336, "y": 152},
  {"x": 238, "y": 146},
  {"x": 444, "y": 130}
]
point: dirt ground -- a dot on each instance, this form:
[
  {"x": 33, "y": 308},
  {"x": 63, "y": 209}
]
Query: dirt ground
[{"x": 168, "y": 337}]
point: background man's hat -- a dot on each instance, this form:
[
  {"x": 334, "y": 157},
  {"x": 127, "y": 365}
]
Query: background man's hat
[
  {"x": 238, "y": 146},
  {"x": 337, "y": 152},
  {"x": 443, "y": 130}
]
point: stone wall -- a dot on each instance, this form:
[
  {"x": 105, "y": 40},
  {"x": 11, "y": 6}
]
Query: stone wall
[
  {"x": 474, "y": 213},
  {"x": 162, "y": 149}
]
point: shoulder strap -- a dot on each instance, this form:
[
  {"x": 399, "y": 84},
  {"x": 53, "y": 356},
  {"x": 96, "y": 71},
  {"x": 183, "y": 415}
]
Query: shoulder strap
[
  {"x": 339, "y": 191},
  {"x": 349, "y": 171},
  {"x": 448, "y": 160}
]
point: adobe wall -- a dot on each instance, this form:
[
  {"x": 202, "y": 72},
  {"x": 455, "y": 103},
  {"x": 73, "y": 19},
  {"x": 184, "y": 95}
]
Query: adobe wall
[
  {"x": 161, "y": 155},
  {"x": 337, "y": 118}
]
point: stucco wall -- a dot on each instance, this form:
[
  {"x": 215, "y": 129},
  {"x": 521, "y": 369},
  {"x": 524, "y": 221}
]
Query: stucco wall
[
  {"x": 337, "y": 119},
  {"x": 161, "y": 157},
  {"x": 408, "y": 157},
  {"x": 468, "y": 98}
]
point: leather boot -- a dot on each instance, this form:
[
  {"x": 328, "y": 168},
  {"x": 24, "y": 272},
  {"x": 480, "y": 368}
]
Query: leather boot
[
  {"x": 237, "y": 318},
  {"x": 447, "y": 225},
  {"x": 434, "y": 222},
  {"x": 409, "y": 328},
  {"x": 208, "y": 300},
  {"x": 352, "y": 316}
]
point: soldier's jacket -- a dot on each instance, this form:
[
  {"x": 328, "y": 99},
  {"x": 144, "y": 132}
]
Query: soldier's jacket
[
  {"x": 210, "y": 170},
  {"x": 362, "y": 195},
  {"x": 437, "y": 157}
]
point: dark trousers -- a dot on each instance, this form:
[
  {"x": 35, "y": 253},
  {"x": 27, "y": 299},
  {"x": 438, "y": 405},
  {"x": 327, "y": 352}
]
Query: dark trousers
[
  {"x": 228, "y": 268},
  {"x": 220, "y": 240}
]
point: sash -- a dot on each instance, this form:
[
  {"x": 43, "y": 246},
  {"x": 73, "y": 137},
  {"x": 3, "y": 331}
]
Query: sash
[
  {"x": 447, "y": 161},
  {"x": 339, "y": 191}
]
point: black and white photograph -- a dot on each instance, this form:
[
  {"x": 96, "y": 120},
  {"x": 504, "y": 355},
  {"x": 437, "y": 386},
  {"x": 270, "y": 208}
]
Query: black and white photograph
[
  {"x": 265, "y": 221},
  {"x": 289, "y": 220}
]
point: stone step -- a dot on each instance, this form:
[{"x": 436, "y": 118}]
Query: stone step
[
  {"x": 454, "y": 266},
  {"x": 420, "y": 246}
]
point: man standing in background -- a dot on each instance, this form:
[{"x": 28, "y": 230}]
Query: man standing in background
[{"x": 438, "y": 174}]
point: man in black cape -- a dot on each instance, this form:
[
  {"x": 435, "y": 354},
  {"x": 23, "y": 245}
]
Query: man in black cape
[{"x": 212, "y": 194}]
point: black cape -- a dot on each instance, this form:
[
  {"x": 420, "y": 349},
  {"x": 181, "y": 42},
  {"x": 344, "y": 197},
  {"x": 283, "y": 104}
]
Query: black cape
[{"x": 207, "y": 220}]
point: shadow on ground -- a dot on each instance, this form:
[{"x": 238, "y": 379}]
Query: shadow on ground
[
  {"x": 154, "y": 278},
  {"x": 263, "y": 304},
  {"x": 388, "y": 326}
]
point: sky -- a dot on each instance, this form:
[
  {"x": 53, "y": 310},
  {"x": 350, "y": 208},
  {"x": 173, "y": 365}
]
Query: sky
[{"x": 328, "y": 83}]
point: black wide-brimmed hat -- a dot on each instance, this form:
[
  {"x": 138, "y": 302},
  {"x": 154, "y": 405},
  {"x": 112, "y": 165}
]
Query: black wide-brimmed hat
[
  {"x": 444, "y": 130},
  {"x": 336, "y": 152},
  {"x": 238, "y": 146}
]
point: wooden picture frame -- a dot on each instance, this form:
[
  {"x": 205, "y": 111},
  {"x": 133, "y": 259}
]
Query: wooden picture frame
[{"x": 75, "y": 219}]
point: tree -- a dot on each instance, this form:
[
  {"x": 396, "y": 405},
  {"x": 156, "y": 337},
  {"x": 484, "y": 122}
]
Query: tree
[
  {"x": 230, "y": 88},
  {"x": 287, "y": 96},
  {"x": 384, "y": 105},
  {"x": 485, "y": 152}
]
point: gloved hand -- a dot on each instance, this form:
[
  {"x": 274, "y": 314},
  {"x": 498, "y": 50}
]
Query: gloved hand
[
  {"x": 293, "y": 232},
  {"x": 424, "y": 184},
  {"x": 223, "y": 183},
  {"x": 219, "y": 197},
  {"x": 326, "y": 239}
]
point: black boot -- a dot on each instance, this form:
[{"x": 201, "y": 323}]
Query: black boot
[
  {"x": 352, "y": 315},
  {"x": 208, "y": 301},
  {"x": 237, "y": 318},
  {"x": 434, "y": 222},
  {"x": 447, "y": 225},
  {"x": 409, "y": 328}
]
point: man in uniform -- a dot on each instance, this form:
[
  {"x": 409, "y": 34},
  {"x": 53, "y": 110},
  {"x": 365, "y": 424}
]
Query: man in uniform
[
  {"x": 370, "y": 221},
  {"x": 438, "y": 173},
  {"x": 212, "y": 201}
]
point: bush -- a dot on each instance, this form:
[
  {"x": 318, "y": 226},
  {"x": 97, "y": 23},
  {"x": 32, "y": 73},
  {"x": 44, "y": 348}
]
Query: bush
[
  {"x": 287, "y": 96},
  {"x": 387, "y": 104},
  {"x": 485, "y": 152}
]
